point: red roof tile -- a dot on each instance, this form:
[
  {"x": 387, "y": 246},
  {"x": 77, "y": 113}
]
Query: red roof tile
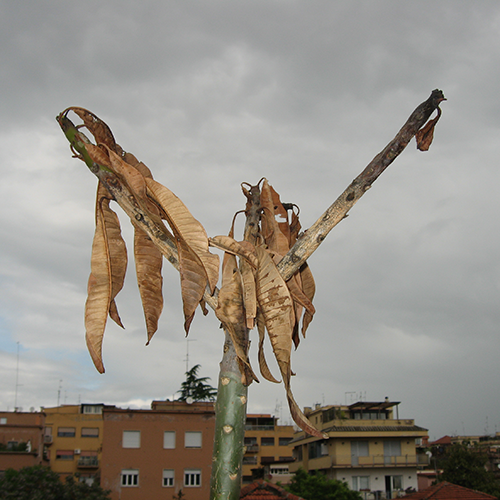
[
  {"x": 449, "y": 491},
  {"x": 263, "y": 490}
]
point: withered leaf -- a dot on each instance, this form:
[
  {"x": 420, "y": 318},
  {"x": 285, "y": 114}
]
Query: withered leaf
[
  {"x": 425, "y": 135},
  {"x": 116, "y": 249},
  {"x": 229, "y": 244},
  {"x": 185, "y": 226},
  {"x": 264, "y": 368},
  {"x": 275, "y": 303},
  {"x": 231, "y": 312},
  {"x": 101, "y": 132},
  {"x": 148, "y": 265},
  {"x": 274, "y": 220},
  {"x": 98, "y": 293},
  {"x": 309, "y": 289}
]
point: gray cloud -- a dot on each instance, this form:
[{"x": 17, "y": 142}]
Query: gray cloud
[{"x": 305, "y": 93}]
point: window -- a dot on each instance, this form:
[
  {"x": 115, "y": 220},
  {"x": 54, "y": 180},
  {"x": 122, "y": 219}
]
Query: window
[
  {"x": 192, "y": 439},
  {"x": 318, "y": 449},
  {"x": 360, "y": 483},
  {"x": 92, "y": 409},
  {"x": 267, "y": 441},
  {"x": 90, "y": 432},
  {"x": 279, "y": 470},
  {"x": 131, "y": 439},
  {"x": 169, "y": 440},
  {"x": 168, "y": 477},
  {"x": 392, "y": 449},
  {"x": 12, "y": 445},
  {"x": 284, "y": 441},
  {"x": 130, "y": 477},
  {"x": 67, "y": 432},
  {"x": 192, "y": 477},
  {"x": 88, "y": 459},
  {"x": 65, "y": 454},
  {"x": 250, "y": 460},
  {"x": 3, "y": 420}
]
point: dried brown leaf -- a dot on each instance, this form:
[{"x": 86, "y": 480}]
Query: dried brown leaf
[
  {"x": 148, "y": 265},
  {"x": 229, "y": 244},
  {"x": 231, "y": 312},
  {"x": 274, "y": 220},
  {"x": 116, "y": 250},
  {"x": 185, "y": 226},
  {"x": 193, "y": 281},
  {"x": 101, "y": 132},
  {"x": 264, "y": 368},
  {"x": 276, "y": 303},
  {"x": 425, "y": 135},
  {"x": 309, "y": 289},
  {"x": 98, "y": 293}
]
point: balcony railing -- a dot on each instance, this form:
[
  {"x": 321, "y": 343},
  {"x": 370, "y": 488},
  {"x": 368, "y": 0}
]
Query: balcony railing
[
  {"x": 252, "y": 448},
  {"x": 373, "y": 461},
  {"x": 88, "y": 462}
]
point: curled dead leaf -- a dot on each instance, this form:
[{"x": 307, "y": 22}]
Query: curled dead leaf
[{"x": 425, "y": 135}]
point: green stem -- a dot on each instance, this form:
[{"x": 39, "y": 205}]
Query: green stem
[{"x": 230, "y": 411}]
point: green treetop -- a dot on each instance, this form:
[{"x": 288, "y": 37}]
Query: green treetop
[{"x": 195, "y": 387}]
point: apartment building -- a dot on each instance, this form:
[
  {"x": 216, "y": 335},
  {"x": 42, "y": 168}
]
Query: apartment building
[
  {"x": 155, "y": 453},
  {"x": 368, "y": 447},
  {"x": 266, "y": 443},
  {"x": 21, "y": 440},
  {"x": 73, "y": 436}
]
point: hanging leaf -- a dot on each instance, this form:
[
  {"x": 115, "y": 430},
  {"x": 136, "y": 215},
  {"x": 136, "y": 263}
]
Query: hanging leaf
[
  {"x": 231, "y": 313},
  {"x": 275, "y": 303},
  {"x": 98, "y": 293},
  {"x": 425, "y": 135},
  {"x": 272, "y": 213},
  {"x": 193, "y": 281},
  {"x": 264, "y": 368},
  {"x": 116, "y": 250},
  {"x": 148, "y": 265},
  {"x": 186, "y": 227}
]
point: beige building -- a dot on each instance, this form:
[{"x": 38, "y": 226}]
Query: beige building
[
  {"x": 368, "y": 447},
  {"x": 266, "y": 443},
  {"x": 73, "y": 435}
]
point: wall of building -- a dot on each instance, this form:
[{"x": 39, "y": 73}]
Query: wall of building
[
  {"x": 149, "y": 458},
  {"x": 25, "y": 429},
  {"x": 74, "y": 439}
]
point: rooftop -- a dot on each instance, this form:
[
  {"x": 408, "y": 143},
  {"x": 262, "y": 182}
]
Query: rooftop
[{"x": 449, "y": 491}]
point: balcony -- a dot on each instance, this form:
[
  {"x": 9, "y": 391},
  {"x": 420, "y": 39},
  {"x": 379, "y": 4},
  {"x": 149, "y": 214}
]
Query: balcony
[
  {"x": 252, "y": 448},
  {"x": 88, "y": 462}
]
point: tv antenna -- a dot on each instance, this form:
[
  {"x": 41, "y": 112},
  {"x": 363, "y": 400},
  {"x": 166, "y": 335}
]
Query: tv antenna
[
  {"x": 187, "y": 352},
  {"x": 17, "y": 379}
]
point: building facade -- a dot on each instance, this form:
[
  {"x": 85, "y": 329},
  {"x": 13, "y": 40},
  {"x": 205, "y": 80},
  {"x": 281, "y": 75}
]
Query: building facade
[
  {"x": 155, "y": 453},
  {"x": 73, "y": 436},
  {"x": 266, "y": 442},
  {"x": 22, "y": 440},
  {"x": 368, "y": 447}
]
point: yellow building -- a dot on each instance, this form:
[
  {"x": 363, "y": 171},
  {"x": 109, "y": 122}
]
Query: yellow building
[
  {"x": 266, "y": 443},
  {"x": 73, "y": 435},
  {"x": 367, "y": 447}
]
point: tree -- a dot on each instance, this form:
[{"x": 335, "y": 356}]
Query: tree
[
  {"x": 318, "y": 487},
  {"x": 41, "y": 483},
  {"x": 266, "y": 281},
  {"x": 465, "y": 466},
  {"x": 194, "y": 387}
]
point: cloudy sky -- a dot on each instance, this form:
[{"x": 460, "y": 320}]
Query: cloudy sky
[{"x": 305, "y": 93}]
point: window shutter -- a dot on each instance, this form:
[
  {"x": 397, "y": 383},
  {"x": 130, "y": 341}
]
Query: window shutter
[{"x": 131, "y": 439}]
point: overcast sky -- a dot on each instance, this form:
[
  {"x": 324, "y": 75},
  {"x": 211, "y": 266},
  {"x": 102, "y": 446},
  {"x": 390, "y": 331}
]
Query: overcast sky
[{"x": 210, "y": 94}]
